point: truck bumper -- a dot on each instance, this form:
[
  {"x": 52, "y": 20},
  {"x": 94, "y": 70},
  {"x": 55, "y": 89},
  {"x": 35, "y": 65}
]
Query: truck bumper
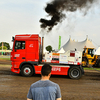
[{"x": 14, "y": 69}]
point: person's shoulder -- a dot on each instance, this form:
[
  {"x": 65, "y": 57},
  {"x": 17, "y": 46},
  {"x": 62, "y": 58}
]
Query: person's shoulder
[
  {"x": 53, "y": 83},
  {"x": 35, "y": 84}
]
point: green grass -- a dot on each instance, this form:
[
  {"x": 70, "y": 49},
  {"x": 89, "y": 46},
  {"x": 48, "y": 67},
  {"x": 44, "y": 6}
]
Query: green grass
[
  {"x": 91, "y": 68},
  {"x": 4, "y": 58},
  {"x": 5, "y": 65}
]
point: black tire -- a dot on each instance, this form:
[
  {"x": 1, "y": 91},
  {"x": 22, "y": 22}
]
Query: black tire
[
  {"x": 97, "y": 64},
  {"x": 27, "y": 70},
  {"x": 75, "y": 73}
]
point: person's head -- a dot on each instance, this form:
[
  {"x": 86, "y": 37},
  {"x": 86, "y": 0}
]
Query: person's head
[{"x": 46, "y": 70}]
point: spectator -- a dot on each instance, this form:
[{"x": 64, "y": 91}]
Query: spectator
[{"x": 44, "y": 89}]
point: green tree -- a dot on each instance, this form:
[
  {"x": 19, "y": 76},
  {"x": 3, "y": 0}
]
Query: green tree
[
  {"x": 49, "y": 48},
  {"x": 5, "y": 44},
  {"x": 4, "y": 48}
]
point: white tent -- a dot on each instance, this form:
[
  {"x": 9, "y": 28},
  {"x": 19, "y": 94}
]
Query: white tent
[
  {"x": 61, "y": 51},
  {"x": 72, "y": 45},
  {"x": 97, "y": 51}
]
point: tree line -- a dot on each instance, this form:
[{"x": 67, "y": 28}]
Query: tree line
[{"x": 6, "y": 46}]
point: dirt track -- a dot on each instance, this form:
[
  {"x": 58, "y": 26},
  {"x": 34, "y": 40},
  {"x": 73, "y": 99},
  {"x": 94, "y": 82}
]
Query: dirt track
[{"x": 15, "y": 87}]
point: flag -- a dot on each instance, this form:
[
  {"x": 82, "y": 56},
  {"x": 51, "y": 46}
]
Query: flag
[{"x": 59, "y": 43}]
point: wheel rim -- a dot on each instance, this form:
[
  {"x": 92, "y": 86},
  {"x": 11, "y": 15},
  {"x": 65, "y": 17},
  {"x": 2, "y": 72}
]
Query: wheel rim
[
  {"x": 75, "y": 73},
  {"x": 27, "y": 71}
]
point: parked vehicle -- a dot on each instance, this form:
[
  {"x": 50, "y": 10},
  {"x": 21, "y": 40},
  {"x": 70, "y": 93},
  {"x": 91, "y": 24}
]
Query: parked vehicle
[{"x": 89, "y": 57}]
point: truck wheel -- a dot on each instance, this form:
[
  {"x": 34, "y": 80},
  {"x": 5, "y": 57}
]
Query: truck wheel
[
  {"x": 27, "y": 70},
  {"x": 75, "y": 73}
]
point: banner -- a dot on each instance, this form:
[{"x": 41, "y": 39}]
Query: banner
[{"x": 59, "y": 43}]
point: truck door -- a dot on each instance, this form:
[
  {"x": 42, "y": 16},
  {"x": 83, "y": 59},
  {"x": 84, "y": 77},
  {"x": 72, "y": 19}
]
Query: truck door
[
  {"x": 19, "y": 54},
  {"x": 31, "y": 51}
]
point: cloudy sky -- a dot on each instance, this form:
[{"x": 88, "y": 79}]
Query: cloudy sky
[{"x": 22, "y": 17}]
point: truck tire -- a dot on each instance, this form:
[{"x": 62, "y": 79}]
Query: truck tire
[
  {"x": 27, "y": 70},
  {"x": 75, "y": 73}
]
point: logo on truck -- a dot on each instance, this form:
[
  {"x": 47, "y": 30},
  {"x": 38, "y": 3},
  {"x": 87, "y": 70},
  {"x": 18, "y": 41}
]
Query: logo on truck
[
  {"x": 56, "y": 69},
  {"x": 17, "y": 55},
  {"x": 31, "y": 45}
]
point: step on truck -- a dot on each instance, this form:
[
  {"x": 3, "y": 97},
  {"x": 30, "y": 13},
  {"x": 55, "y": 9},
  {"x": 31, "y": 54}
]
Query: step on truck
[{"x": 27, "y": 58}]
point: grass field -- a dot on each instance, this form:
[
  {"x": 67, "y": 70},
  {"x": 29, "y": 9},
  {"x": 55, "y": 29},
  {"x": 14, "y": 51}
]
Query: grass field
[
  {"x": 4, "y": 58},
  {"x": 87, "y": 68}
]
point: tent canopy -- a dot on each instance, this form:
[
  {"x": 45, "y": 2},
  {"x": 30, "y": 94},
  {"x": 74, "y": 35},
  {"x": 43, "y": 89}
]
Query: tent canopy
[
  {"x": 61, "y": 51},
  {"x": 72, "y": 45},
  {"x": 97, "y": 51}
]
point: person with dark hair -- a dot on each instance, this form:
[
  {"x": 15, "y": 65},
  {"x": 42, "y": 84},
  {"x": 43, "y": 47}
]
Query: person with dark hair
[{"x": 44, "y": 89}]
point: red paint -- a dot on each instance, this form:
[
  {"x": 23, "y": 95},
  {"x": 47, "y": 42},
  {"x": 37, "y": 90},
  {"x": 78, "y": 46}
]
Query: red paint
[
  {"x": 26, "y": 71},
  {"x": 54, "y": 61},
  {"x": 56, "y": 70}
]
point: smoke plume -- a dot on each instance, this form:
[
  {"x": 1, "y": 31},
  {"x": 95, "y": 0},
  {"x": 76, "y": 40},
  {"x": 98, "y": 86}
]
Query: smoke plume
[{"x": 55, "y": 10}]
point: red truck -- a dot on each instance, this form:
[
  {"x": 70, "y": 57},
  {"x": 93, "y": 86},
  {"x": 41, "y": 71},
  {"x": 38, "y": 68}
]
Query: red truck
[{"x": 27, "y": 58}]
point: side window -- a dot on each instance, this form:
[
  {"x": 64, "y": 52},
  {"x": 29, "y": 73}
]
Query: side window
[
  {"x": 93, "y": 51},
  {"x": 20, "y": 45},
  {"x": 89, "y": 51},
  {"x": 85, "y": 50}
]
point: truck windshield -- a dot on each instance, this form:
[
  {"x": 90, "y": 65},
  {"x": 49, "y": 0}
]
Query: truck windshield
[
  {"x": 91, "y": 52},
  {"x": 20, "y": 45}
]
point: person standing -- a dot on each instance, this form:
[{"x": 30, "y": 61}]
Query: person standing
[{"x": 44, "y": 89}]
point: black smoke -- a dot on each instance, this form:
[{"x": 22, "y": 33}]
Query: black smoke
[{"x": 55, "y": 9}]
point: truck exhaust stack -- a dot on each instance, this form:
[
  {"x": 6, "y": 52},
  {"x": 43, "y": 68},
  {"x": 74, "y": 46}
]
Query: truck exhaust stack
[{"x": 42, "y": 47}]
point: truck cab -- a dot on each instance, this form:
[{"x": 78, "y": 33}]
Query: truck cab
[{"x": 26, "y": 49}]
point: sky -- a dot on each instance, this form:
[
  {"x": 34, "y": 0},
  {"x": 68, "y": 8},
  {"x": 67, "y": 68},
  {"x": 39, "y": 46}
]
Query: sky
[{"x": 22, "y": 17}]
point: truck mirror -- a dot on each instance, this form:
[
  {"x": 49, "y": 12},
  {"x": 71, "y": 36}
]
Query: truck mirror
[{"x": 13, "y": 39}]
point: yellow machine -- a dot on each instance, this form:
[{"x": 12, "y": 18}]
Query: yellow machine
[{"x": 88, "y": 57}]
